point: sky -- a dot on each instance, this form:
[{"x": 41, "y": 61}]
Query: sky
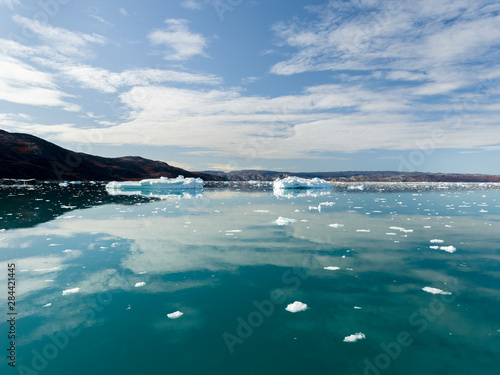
[{"x": 286, "y": 85}]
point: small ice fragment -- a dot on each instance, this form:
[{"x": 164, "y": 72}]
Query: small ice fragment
[
  {"x": 391, "y": 234},
  {"x": 128, "y": 307},
  {"x": 70, "y": 291},
  {"x": 233, "y": 231},
  {"x": 437, "y": 241},
  {"x": 363, "y": 230},
  {"x": 139, "y": 284},
  {"x": 296, "y": 307},
  {"x": 331, "y": 268},
  {"x": 284, "y": 221},
  {"x": 434, "y": 247},
  {"x": 429, "y": 289},
  {"x": 336, "y": 225},
  {"x": 355, "y": 337},
  {"x": 175, "y": 315},
  {"x": 67, "y": 251},
  {"x": 448, "y": 249},
  {"x": 47, "y": 305},
  {"x": 357, "y": 307},
  {"x": 261, "y": 211}
]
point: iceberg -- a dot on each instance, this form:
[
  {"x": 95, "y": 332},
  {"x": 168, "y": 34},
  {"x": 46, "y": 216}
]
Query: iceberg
[
  {"x": 162, "y": 183},
  {"x": 355, "y": 337},
  {"x": 301, "y": 183},
  {"x": 284, "y": 221},
  {"x": 297, "y": 306},
  {"x": 175, "y": 315},
  {"x": 432, "y": 290}
]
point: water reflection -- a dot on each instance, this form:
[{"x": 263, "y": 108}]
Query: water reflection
[{"x": 207, "y": 255}]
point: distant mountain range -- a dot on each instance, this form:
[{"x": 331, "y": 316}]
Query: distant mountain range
[
  {"x": 24, "y": 156},
  {"x": 358, "y": 176}
]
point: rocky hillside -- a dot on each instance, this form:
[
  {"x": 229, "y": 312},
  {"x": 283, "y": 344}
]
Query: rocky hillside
[{"x": 24, "y": 156}]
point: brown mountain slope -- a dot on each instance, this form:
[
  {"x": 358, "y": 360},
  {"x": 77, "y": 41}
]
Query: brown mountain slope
[{"x": 24, "y": 156}]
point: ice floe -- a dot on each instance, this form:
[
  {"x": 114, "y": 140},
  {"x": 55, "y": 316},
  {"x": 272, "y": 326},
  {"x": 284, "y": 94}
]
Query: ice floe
[
  {"x": 437, "y": 241},
  {"x": 284, "y": 221},
  {"x": 331, "y": 268},
  {"x": 448, "y": 249},
  {"x": 355, "y": 337},
  {"x": 432, "y": 290},
  {"x": 301, "y": 183},
  {"x": 402, "y": 229},
  {"x": 175, "y": 315},
  {"x": 336, "y": 225},
  {"x": 296, "y": 307},
  {"x": 47, "y": 305},
  {"x": 70, "y": 291},
  {"x": 139, "y": 284},
  {"x": 179, "y": 183},
  {"x": 363, "y": 230}
]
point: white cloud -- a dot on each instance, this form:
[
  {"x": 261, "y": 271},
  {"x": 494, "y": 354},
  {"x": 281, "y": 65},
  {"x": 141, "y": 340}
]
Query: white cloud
[
  {"x": 192, "y": 4},
  {"x": 123, "y": 12},
  {"x": 108, "y": 82},
  {"x": 23, "y": 84},
  {"x": 9, "y": 3},
  {"x": 306, "y": 125},
  {"x": 63, "y": 41},
  {"x": 415, "y": 40},
  {"x": 181, "y": 43}
]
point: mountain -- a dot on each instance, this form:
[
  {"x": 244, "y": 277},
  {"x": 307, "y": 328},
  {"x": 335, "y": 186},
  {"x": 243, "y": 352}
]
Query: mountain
[
  {"x": 24, "y": 156},
  {"x": 357, "y": 176}
]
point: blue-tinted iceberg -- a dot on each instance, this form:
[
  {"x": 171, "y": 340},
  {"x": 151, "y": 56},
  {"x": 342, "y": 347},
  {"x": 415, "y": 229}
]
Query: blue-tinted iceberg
[
  {"x": 162, "y": 183},
  {"x": 301, "y": 183}
]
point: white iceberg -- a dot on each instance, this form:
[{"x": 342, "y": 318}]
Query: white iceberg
[
  {"x": 355, "y": 337},
  {"x": 296, "y": 307},
  {"x": 139, "y": 284},
  {"x": 70, "y": 291},
  {"x": 301, "y": 183},
  {"x": 162, "y": 183},
  {"x": 175, "y": 315},
  {"x": 284, "y": 221},
  {"x": 432, "y": 290},
  {"x": 331, "y": 268},
  {"x": 448, "y": 249},
  {"x": 436, "y": 241},
  {"x": 336, "y": 225}
]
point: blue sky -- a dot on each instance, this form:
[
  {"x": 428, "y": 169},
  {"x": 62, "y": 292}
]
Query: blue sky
[{"x": 276, "y": 84}]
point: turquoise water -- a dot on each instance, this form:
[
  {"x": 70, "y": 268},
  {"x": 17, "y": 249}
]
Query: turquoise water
[{"x": 221, "y": 259}]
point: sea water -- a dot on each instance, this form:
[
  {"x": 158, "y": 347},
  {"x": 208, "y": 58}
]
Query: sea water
[{"x": 250, "y": 282}]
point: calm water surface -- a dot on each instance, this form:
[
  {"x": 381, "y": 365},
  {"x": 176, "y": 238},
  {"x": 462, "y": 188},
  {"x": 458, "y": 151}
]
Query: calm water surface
[{"x": 96, "y": 276}]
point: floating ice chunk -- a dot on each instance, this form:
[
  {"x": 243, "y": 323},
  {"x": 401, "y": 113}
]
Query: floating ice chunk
[
  {"x": 434, "y": 247},
  {"x": 233, "y": 231},
  {"x": 67, "y": 251},
  {"x": 357, "y": 307},
  {"x": 261, "y": 211},
  {"x": 179, "y": 183},
  {"x": 359, "y": 187},
  {"x": 437, "y": 241},
  {"x": 336, "y": 225},
  {"x": 47, "y": 305},
  {"x": 175, "y": 315},
  {"x": 448, "y": 249},
  {"x": 391, "y": 234},
  {"x": 483, "y": 211},
  {"x": 284, "y": 221},
  {"x": 139, "y": 284},
  {"x": 402, "y": 229},
  {"x": 429, "y": 289},
  {"x": 296, "y": 307},
  {"x": 355, "y": 337},
  {"x": 301, "y": 183},
  {"x": 363, "y": 230},
  {"x": 70, "y": 291},
  {"x": 331, "y": 268}
]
